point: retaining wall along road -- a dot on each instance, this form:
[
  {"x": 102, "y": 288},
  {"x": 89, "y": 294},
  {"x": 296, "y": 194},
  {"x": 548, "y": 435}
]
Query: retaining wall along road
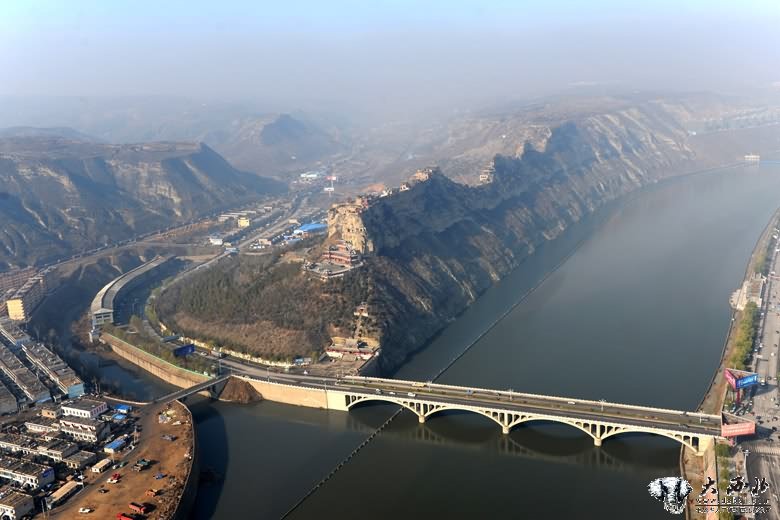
[{"x": 168, "y": 372}]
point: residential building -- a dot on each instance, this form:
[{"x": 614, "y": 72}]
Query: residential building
[
  {"x": 11, "y": 332},
  {"x": 53, "y": 367},
  {"x": 50, "y": 411},
  {"x": 243, "y": 222},
  {"x": 13, "y": 443},
  {"x": 88, "y": 408},
  {"x": 14, "y": 279},
  {"x": 24, "y": 300},
  {"x": 80, "y": 459},
  {"x": 27, "y": 382},
  {"x": 83, "y": 429},
  {"x": 28, "y": 474},
  {"x": 15, "y": 504},
  {"x": 57, "y": 449},
  {"x": 42, "y": 425},
  {"x": 8, "y": 402}
]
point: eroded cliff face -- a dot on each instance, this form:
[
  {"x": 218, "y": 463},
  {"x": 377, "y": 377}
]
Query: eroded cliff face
[
  {"x": 58, "y": 195},
  {"x": 439, "y": 245}
]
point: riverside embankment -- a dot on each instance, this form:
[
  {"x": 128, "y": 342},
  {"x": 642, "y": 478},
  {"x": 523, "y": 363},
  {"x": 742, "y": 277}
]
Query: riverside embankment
[{"x": 697, "y": 469}]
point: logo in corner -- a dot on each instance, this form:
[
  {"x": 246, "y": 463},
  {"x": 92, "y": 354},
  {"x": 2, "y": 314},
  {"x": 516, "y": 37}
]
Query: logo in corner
[{"x": 672, "y": 491}]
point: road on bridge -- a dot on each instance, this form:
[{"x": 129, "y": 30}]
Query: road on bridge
[{"x": 680, "y": 421}]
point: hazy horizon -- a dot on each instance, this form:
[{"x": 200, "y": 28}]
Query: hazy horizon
[{"x": 383, "y": 57}]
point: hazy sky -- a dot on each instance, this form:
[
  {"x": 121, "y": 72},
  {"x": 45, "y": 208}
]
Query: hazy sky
[{"x": 386, "y": 54}]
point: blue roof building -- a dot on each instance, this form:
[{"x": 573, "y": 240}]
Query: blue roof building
[{"x": 311, "y": 228}]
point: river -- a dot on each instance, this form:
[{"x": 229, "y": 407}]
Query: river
[{"x": 637, "y": 314}]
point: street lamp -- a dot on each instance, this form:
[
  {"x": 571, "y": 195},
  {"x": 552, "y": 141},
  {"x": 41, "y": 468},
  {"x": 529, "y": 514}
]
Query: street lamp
[{"x": 602, "y": 401}]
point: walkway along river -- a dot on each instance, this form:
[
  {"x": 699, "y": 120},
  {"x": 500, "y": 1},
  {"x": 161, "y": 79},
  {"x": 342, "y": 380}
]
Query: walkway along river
[{"x": 637, "y": 314}]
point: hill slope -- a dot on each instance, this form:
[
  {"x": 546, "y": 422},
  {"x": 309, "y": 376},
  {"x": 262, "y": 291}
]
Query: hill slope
[
  {"x": 59, "y": 195},
  {"x": 434, "y": 248}
]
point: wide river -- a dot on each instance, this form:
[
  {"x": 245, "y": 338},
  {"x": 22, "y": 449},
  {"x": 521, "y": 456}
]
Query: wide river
[{"x": 637, "y": 314}]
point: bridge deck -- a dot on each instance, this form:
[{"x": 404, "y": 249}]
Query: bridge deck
[
  {"x": 658, "y": 418},
  {"x": 184, "y": 392}
]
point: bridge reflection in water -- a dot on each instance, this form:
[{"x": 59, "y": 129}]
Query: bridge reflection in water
[{"x": 548, "y": 442}]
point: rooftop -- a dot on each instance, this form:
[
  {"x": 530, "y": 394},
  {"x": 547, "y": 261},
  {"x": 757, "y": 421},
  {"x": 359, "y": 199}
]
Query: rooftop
[
  {"x": 10, "y": 497},
  {"x": 104, "y": 299},
  {"x": 86, "y": 405},
  {"x": 22, "y": 466},
  {"x": 65, "y": 421},
  {"x": 79, "y": 456}
]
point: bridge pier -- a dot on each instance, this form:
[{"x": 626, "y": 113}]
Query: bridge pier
[
  {"x": 596, "y": 441},
  {"x": 421, "y": 419},
  {"x": 504, "y": 429}
]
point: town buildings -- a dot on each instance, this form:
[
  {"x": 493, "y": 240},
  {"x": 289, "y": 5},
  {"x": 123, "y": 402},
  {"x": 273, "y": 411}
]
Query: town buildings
[
  {"x": 21, "y": 376},
  {"x": 15, "y": 504},
  {"x": 86, "y": 408},
  {"x": 53, "y": 367},
  {"x": 83, "y": 429},
  {"x": 23, "y": 301},
  {"x": 27, "y": 474}
]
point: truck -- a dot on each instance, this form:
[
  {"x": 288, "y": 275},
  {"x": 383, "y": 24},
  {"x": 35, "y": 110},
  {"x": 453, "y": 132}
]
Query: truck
[
  {"x": 122, "y": 516},
  {"x": 138, "y": 508},
  {"x": 141, "y": 465}
]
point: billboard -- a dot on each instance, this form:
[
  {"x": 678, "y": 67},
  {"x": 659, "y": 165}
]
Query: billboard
[
  {"x": 184, "y": 350},
  {"x": 740, "y": 379},
  {"x": 730, "y": 378},
  {"x": 746, "y": 381},
  {"x": 732, "y": 430}
]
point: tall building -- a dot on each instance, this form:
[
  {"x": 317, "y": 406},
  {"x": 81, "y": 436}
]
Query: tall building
[{"x": 24, "y": 300}]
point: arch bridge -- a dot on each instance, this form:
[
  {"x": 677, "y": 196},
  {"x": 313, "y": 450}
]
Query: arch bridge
[{"x": 597, "y": 419}]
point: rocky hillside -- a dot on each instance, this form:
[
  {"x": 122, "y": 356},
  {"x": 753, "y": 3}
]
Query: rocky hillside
[
  {"x": 439, "y": 245},
  {"x": 432, "y": 248},
  {"x": 273, "y": 145},
  {"x": 464, "y": 144},
  {"x": 59, "y": 195}
]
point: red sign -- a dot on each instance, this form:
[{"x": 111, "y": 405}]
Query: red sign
[
  {"x": 732, "y": 430},
  {"x": 730, "y": 378}
]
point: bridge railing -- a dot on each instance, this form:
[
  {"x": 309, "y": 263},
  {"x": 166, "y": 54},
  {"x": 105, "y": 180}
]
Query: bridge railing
[{"x": 563, "y": 400}]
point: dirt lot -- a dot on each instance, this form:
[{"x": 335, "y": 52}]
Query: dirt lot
[{"x": 167, "y": 457}]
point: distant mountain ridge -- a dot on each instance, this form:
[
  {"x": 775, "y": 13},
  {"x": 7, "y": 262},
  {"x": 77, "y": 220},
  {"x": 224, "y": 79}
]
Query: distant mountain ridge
[
  {"x": 293, "y": 141},
  {"x": 59, "y": 195},
  {"x": 60, "y": 131}
]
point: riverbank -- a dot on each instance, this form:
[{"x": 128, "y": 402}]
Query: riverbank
[{"x": 696, "y": 469}]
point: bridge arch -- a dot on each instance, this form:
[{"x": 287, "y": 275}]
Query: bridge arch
[
  {"x": 352, "y": 401},
  {"x": 434, "y": 410},
  {"x": 507, "y": 419},
  {"x": 585, "y": 427},
  {"x": 691, "y": 441}
]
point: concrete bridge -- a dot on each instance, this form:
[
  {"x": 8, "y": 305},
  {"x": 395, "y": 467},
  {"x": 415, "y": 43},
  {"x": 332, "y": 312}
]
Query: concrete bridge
[
  {"x": 598, "y": 419},
  {"x": 213, "y": 386}
]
